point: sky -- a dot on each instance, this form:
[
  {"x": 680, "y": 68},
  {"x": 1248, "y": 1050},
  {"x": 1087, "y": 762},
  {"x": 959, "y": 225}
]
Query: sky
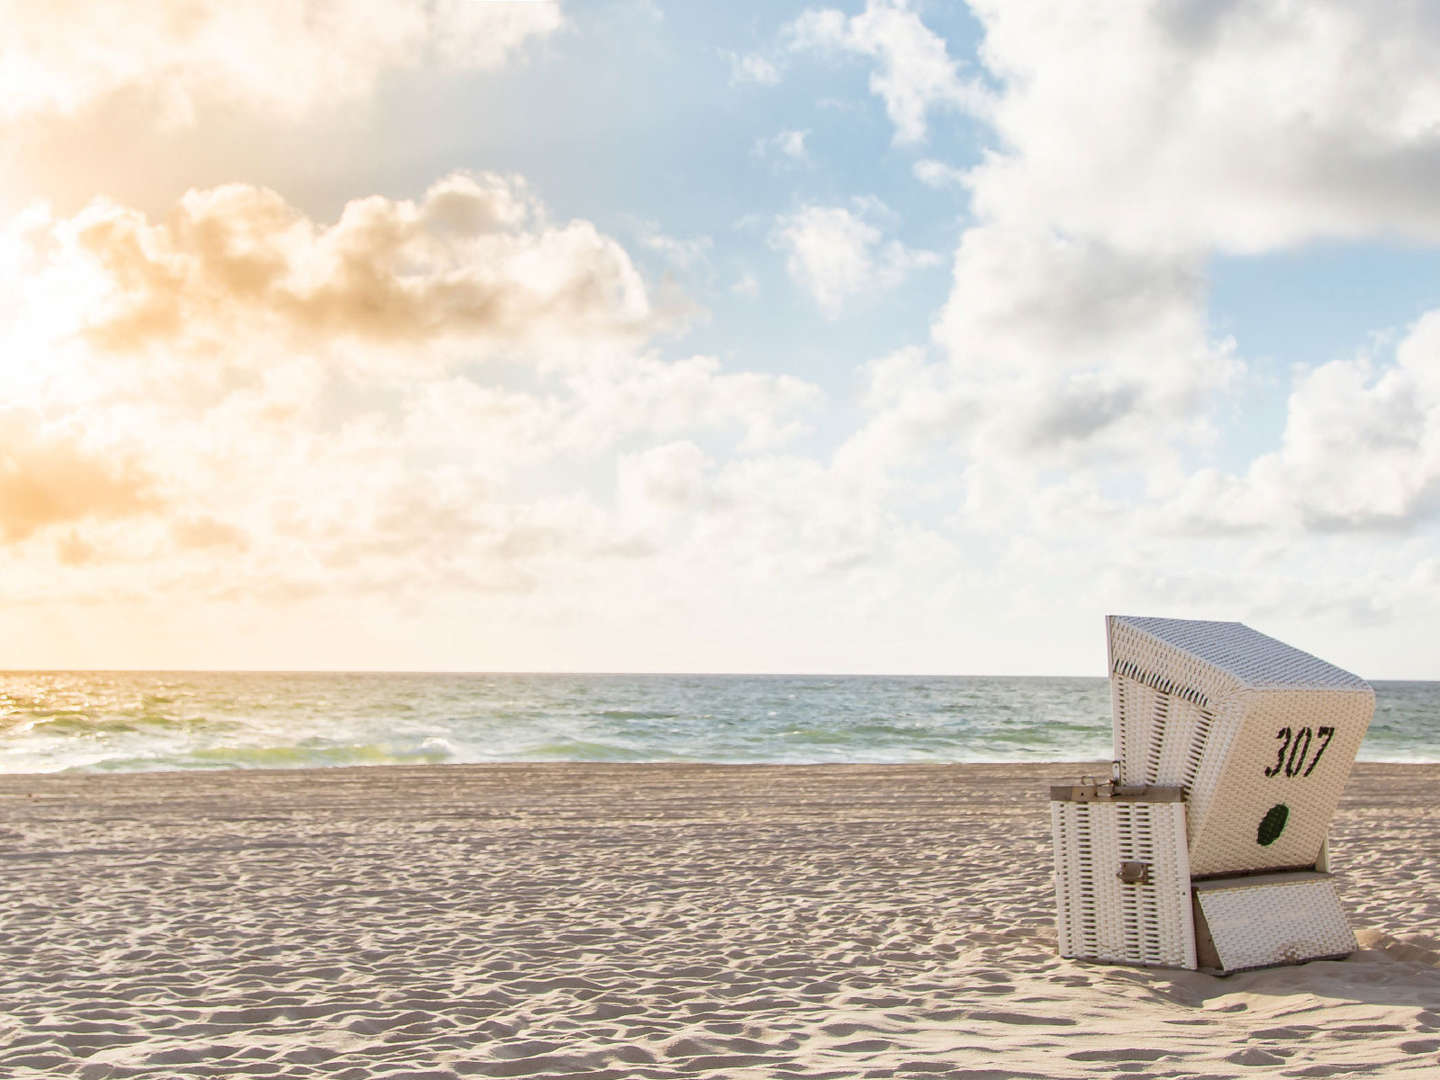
[{"x": 626, "y": 335}]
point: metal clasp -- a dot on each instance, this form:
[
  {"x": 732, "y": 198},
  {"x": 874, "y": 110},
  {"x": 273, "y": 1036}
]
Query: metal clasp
[{"x": 1134, "y": 873}]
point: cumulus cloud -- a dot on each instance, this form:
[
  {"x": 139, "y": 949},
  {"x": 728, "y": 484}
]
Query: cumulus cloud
[
  {"x": 915, "y": 74},
  {"x": 1199, "y": 126},
  {"x": 1077, "y": 336},
  {"x": 1073, "y": 379},
  {"x": 454, "y": 404},
  {"x": 1360, "y": 452},
  {"x": 48, "y": 477},
  {"x": 683, "y": 252},
  {"x": 752, "y": 68},
  {"x": 472, "y": 260},
  {"x": 663, "y": 486},
  {"x": 835, "y": 253},
  {"x": 1058, "y": 347},
  {"x": 769, "y": 519},
  {"x": 285, "y": 56},
  {"x": 1051, "y": 352},
  {"x": 594, "y": 407},
  {"x": 355, "y": 408},
  {"x": 206, "y": 532},
  {"x": 937, "y": 174},
  {"x": 785, "y": 146},
  {"x": 1133, "y": 143},
  {"x": 73, "y": 550},
  {"x": 694, "y": 394}
]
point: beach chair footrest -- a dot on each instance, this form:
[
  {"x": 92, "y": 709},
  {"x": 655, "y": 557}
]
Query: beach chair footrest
[{"x": 1263, "y": 920}]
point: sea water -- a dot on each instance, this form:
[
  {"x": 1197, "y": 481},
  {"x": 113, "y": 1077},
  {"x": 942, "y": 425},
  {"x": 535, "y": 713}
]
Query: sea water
[{"x": 134, "y": 721}]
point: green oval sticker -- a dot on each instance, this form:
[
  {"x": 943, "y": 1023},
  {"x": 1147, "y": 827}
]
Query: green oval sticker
[{"x": 1272, "y": 824}]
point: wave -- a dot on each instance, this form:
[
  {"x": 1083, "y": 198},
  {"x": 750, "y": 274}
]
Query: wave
[
  {"x": 589, "y": 750},
  {"x": 141, "y": 721},
  {"x": 272, "y": 757}
]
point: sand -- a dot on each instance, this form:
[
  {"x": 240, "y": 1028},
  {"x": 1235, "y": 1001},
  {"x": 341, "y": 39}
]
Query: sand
[{"x": 649, "y": 921}]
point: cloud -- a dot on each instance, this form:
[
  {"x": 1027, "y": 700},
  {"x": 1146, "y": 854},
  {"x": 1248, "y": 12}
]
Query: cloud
[
  {"x": 770, "y": 519},
  {"x": 1360, "y": 452},
  {"x": 206, "y": 532},
  {"x": 73, "y": 550},
  {"x": 1131, "y": 144},
  {"x": 472, "y": 261},
  {"x": 693, "y": 394},
  {"x": 355, "y": 408},
  {"x": 1073, "y": 388},
  {"x": 597, "y": 406},
  {"x": 1052, "y": 353},
  {"x": 915, "y": 75},
  {"x": 683, "y": 253},
  {"x": 1214, "y": 126},
  {"x": 48, "y": 477},
  {"x": 288, "y": 57},
  {"x": 751, "y": 68},
  {"x": 786, "y": 146},
  {"x": 937, "y": 174},
  {"x": 456, "y": 426},
  {"x": 1030, "y": 305},
  {"x": 836, "y": 253},
  {"x": 663, "y": 486}
]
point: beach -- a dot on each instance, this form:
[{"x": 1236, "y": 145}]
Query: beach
[{"x": 634, "y": 920}]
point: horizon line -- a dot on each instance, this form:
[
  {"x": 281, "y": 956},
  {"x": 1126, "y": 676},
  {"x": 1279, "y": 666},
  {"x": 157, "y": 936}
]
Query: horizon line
[{"x": 592, "y": 674}]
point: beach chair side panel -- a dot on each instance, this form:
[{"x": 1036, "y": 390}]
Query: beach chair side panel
[
  {"x": 1167, "y": 705},
  {"x": 1101, "y": 917}
]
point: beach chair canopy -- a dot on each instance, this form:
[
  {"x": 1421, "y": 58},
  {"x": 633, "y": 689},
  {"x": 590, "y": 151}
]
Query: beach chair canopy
[{"x": 1259, "y": 736}]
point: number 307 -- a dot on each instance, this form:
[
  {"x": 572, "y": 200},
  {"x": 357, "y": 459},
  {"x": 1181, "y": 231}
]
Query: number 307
[{"x": 1295, "y": 747}]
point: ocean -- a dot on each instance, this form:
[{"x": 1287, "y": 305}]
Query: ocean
[{"x": 136, "y": 721}]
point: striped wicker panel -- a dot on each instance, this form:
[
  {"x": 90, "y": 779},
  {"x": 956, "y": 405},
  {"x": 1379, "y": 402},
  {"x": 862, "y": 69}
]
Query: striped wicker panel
[
  {"x": 1100, "y": 917},
  {"x": 1275, "y": 919},
  {"x": 1159, "y": 736},
  {"x": 1166, "y": 703}
]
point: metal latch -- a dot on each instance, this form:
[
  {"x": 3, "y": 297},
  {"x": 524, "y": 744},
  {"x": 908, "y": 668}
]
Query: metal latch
[
  {"x": 1091, "y": 787},
  {"x": 1134, "y": 873}
]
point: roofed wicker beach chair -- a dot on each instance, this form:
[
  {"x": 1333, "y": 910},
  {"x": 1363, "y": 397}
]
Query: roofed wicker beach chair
[{"x": 1206, "y": 848}]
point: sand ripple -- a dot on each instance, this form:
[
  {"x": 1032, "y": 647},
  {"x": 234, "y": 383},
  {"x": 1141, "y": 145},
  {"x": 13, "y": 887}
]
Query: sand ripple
[{"x": 636, "y": 921}]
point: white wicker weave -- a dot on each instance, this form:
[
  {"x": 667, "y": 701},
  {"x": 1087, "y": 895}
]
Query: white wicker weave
[
  {"x": 1271, "y": 919},
  {"x": 1253, "y": 730},
  {"x": 1101, "y": 917}
]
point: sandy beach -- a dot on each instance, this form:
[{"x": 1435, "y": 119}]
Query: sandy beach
[{"x": 649, "y": 921}]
